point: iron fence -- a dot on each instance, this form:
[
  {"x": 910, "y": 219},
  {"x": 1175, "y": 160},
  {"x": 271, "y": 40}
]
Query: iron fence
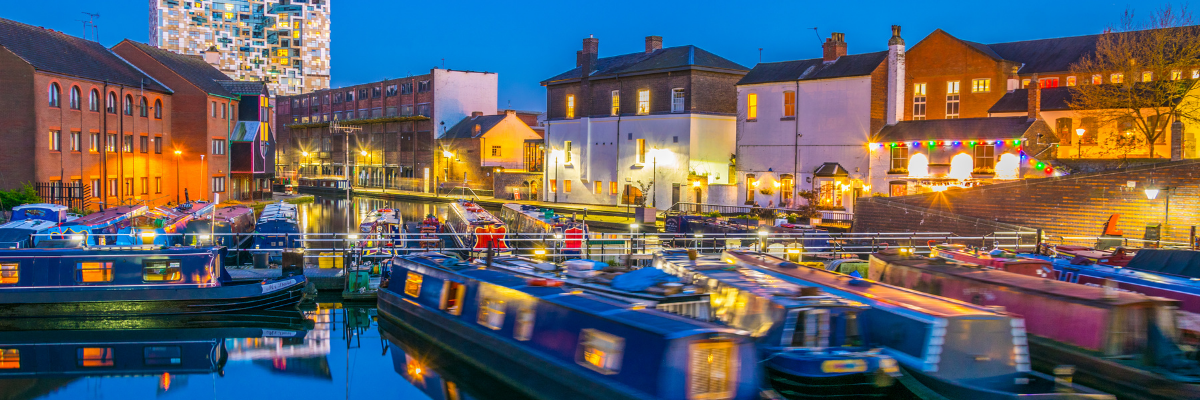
[{"x": 73, "y": 195}]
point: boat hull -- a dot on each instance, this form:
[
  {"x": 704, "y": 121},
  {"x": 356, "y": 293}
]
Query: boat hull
[
  {"x": 1109, "y": 376},
  {"x": 277, "y": 294},
  {"x": 797, "y": 385}
]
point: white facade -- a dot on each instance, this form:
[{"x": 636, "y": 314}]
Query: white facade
[
  {"x": 456, "y": 94},
  {"x": 677, "y": 146}
]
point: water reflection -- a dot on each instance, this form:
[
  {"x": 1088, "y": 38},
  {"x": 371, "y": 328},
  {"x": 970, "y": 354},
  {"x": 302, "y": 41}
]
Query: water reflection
[
  {"x": 329, "y": 214},
  {"x": 439, "y": 374}
]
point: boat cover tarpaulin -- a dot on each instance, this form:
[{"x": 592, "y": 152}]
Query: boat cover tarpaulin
[
  {"x": 641, "y": 279},
  {"x": 1175, "y": 262},
  {"x": 13, "y": 237}
]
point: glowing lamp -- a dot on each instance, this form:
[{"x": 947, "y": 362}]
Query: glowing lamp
[
  {"x": 364, "y": 152},
  {"x": 205, "y": 237},
  {"x": 1041, "y": 165},
  {"x": 931, "y": 143},
  {"x": 893, "y": 144},
  {"x": 558, "y": 236},
  {"x": 633, "y": 226},
  {"x": 915, "y": 144},
  {"x": 1049, "y": 170},
  {"x": 1017, "y": 142},
  {"x": 540, "y": 252},
  {"x": 447, "y": 154},
  {"x": 695, "y": 183},
  {"x": 776, "y": 183},
  {"x": 352, "y": 237},
  {"x": 762, "y": 233},
  {"x": 177, "y": 152},
  {"x": 76, "y": 237},
  {"x": 873, "y": 146},
  {"x": 793, "y": 251},
  {"x": 147, "y": 234},
  {"x": 956, "y": 143},
  {"x": 1151, "y": 193},
  {"x": 304, "y": 153},
  {"x": 1079, "y": 132}
]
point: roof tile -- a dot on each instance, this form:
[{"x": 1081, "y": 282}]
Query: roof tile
[{"x": 57, "y": 52}]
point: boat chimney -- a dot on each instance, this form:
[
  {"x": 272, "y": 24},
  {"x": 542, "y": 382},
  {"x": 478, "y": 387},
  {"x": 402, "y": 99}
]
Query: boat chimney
[{"x": 693, "y": 254}]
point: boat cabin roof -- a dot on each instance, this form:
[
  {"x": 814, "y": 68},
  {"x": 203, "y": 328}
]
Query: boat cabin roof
[
  {"x": 474, "y": 214},
  {"x": 905, "y": 298},
  {"x": 784, "y": 293},
  {"x": 232, "y": 212},
  {"x": 1174, "y": 262},
  {"x": 110, "y": 216},
  {"x": 124, "y": 251}
]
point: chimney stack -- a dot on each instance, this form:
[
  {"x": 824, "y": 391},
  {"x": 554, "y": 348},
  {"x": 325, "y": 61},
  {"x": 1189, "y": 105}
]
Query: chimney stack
[
  {"x": 895, "y": 77},
  {"x": 476, "y": 114},
  {"x": 1035, "y": 98},
  {"x": 835, "y": 46},
  {"x": 653, "y": 43}
]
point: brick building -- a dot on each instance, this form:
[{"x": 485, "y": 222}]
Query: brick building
[
  {"x": 616, "y": 125},
  {"x": 482, "y": 146},
  {"x": 75, "y": 112},
  {"x": 399, "y": 121}
]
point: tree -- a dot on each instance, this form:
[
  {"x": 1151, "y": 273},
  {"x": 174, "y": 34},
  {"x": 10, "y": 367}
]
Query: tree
[
  {"x": 1146, "y": 70},
  {"x": 12, "y": 198}
]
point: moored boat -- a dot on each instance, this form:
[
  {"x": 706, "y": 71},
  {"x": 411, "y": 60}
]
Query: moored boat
[
  {"x": 161, "y": 225},
  {"x": 426, "y": 234},
  {"x": 381, "y": 228},
  {"x": 1120, "y": 342},
  {"x": 29, "y": 220},
  {"x": 587, "y": 347},
  {"x": 225, "y": 227},
  {"x": 540, "y": 228},
  {"x": 810, "y": 342},
  {"x": 277, "y": 230},
  {"x": 948, "y": 347},
  {"x": 130, "y": 281},
  {"x": 100, "y": 227},
  {"x": 474, "y": 230},
  {"x": 442, "y": 374}
]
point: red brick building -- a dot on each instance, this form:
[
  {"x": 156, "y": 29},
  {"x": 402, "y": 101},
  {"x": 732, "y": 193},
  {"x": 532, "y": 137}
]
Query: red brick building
[{"x": 77, "y": 113}]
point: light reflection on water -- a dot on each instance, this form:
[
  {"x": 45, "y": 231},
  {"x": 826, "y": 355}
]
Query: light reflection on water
[{"x": 328, "y": 214}]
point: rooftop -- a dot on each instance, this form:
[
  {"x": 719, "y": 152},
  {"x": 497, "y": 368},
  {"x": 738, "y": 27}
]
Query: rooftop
[
  {"x": 465, "y": 129},
  {"x": 957, "y": 129},
  {"x": 191, "y": 68},
  {"x": 57, "y": 52},
  {"x": 671, "y": 58},
  {"x": 814, "y": 69}
]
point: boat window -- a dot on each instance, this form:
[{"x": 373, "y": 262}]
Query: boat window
[
  {"x": 95, "y": 356},
  {"x": 600, "y": 351},
  {"x": 491, "y": 312},
  {"x": 452, "y": 297},
  {"x": 412, "y": 286},
  {"x": 97, "y": 271},
  {"x": 163, "y": 355},
  {"x": 812, "y": 329},
  {"x": 10, "y": 273},
  {"x": 853, "y": 336},
  {"x": 10, "y": 359},
  {"x": 161, "y": 271},
  {"x": 711, "y": 374},
  {"x": 524, "y": 327}
]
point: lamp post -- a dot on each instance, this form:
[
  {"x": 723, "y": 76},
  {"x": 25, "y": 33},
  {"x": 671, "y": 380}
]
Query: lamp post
[
  {"x": 1079, "y": 143},
  {"x": 303, "y": 161},
  {"x": 654, "y": 177},
  {"x": 368, "y": 177},
  {"x": 177, "y": 153},
  {"x": 1152, "y": 193}
]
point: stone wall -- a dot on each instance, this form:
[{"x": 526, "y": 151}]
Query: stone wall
[{"x": 505, "y": 182}]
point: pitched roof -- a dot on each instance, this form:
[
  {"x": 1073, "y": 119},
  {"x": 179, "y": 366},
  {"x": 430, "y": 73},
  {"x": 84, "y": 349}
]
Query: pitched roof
[
  {"x": 956, "y": 129},
  {"x": 1053, "y": 99},
  {"x": 663, "y": 59},
  {"x": 465, "y": 129},
  {"x": 1046, "y": 55},
  {"x": 831, "y": 169},
  {"x": 193, "y": 69},
  {"x": 251, "y": 88},
  {"x": 57, "y": 52},
  {"x": 814, "y": 69}
]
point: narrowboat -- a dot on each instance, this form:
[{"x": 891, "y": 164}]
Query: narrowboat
[
  {"x": 131, "y": 281},
  {"x": 229, "y": 226},
  {"x": 439, "y": 374},
  {"x": 1119, "y": 342},
  {"x": 945, "y": 347},
  {"x": 100, "y": 227},
  {"x": 709, "y": 232},
  {"x": 566, "y": 344},
  {"x": 29, "y": 220},
  {"x": 473, "y": 230},
  {"x": 277, "y": 230},
  {"x": 540, "y": 228},
  {"x": 810, "y": 342},
  {"x": 426, "y": 234},
  {"x": 616, "y": 283},
  {"x": 381, "y": 228},
  {"x": 162, "y": 226},
  {"x": 998, "y": 259},
  {"x": 1117, "y": 257}
]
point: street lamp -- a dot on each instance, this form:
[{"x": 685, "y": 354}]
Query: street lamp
[
  {"x": 177, "y": 153},
  {"x": 1151, "y": 193},
  {"x": 1079, "y": 143},
  {"x": 366, "y": 178},
  {"x": 303, "y": 161},
  {"x": 653, "y": 177}
]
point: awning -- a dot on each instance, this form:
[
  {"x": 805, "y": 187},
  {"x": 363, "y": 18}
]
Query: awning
[{"x": 832, "y": 170}]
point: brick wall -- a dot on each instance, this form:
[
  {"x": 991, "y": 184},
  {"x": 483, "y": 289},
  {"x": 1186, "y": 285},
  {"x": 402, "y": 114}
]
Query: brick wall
[
  {"x": 17, "y": 122},
  {"x": 879, "y": 97},
  {"x": 1074, "y": 205},
  {"x": 707, "y": 92},
  {"x": 941, "y": 58},
  {"x": 504, "y": 183}
]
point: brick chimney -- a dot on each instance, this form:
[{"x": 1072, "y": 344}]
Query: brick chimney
[
  {"x": 1035, "y": 98},
  {"x": 895, "y": 78},
  {"x": 835, "y": 46},
  {"x": 653, "y": 43},
  {"x": 476, "y": 114},
  {"x": 591, "y": 50}
]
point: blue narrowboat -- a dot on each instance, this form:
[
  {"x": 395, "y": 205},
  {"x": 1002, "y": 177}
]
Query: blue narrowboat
[
  {"x": 811, "y": 342},
  {"x": 130, "y": 281},
  {"x": 98, "y": 228},
  {"x": 569, "y": 343},
  {"x": 381, "y": 228},
  {"x": 162, "y": 226},
  {"x": 473, "y": 230},
  {"x": 439, "y": 374},
  {"x": 534, "y": 227},
  {"x": 226, "y": 227},
  {"x": 945, "y": 347},
  {"x": 277, "y": 229},
  {"x": 29, "y": 220}
]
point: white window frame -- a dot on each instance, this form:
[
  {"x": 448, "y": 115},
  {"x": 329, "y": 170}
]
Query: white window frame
[{"x": 677, "y": 100}]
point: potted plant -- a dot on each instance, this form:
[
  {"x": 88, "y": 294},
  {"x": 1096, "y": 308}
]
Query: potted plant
[
  {"x": 809, "y": 208},
  {"x": 645, "y": 214}
]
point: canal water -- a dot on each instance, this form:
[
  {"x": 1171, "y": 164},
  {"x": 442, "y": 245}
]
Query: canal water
[{"x": 334, "y": 351}]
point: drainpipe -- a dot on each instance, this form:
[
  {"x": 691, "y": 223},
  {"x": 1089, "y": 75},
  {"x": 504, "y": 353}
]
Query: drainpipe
[
  {"x": 796, "y": 145},
  {"x": 103, "y": 147}
]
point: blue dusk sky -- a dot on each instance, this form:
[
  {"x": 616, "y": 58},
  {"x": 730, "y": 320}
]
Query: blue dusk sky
[{"x": 528, "y": 41}]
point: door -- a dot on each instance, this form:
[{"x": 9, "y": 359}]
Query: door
[{"x": 674, "y": 194}]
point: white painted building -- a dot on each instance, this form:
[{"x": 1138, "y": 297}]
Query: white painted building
[{"x": 458, "y": 94}]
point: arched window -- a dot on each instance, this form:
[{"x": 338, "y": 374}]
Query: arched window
[
  {"x": 54, "y": 93},
  {"x": 94, "y": 100},
  {"x": 111, "y": 106},
  {"x": 128, "y": 105},
  {"x": 158, "y": 108},
  {"x": 75, "y": 97},
  {"x": 143, "y": 107}
]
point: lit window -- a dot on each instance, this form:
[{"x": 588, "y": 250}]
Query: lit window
[
  {"x": 899, "y": 160},
  {"x": 919, "y": 101},
  {"x": 1070, "y": 81},
  {"x": 10, "y": 359},
  {"x": 452, "y": 297},
  {"x": 640, "y": 157},
  {"x": 643, "y": 107},
  {"x": 55, "y": 140},
  {"x": 952, "y": 98},
  {"x": 789, "y": 103},
  {"x": 612, "y": 188},
  {"x": 1176, "y": 75},
  {"x": 553, "y": 186},
  {"x": 711, "y": 374},
  {"x": 616, "y": 102},
  {"x": 982, "y": 85},
  {"x": 162, "y": 355},
  {"x": 90, "y": 272},
  {"x": 1196, "y": 74},
  {"x": 1147, "y": 76},
  {"x": 567, "y": 151},
  {"x": 567, "y": 186},
  {"x": 1116, "y": 78},
  {"x": 598, "y": 187},
  {"x": 524, "y": 328},
  {"x": 751, "y": 185},
  {"x": 1097, "y": 79},
  {"x": 600, "y": 351},
  {"x": 1024, "y": 83},
  {"x": 985, "y": 158},
  {"x": 1048, "y": 83},
  {"x": 491, "y": 313},
  {"x": 95, "y": 356},
  {"x": 160, "y": 270},
  {"x": 751, "y": 107},
  {"x": 677, "y": 100},
  {"x": 570, "y": 106},
  {"x": 10, "y": 273},
  {"x": 412, "y": 285}
]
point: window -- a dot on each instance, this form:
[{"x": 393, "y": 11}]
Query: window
[
  {"x": 952, "y": 96},
  {"x": 94, "y": 356},
  {"x": 982, "y": 85},
  {"x": 752, "y": 107},
  {"x": 412, "y": 284},
  {"x": 95, "y": 271},
  {"x": 224, "y": 111},
  {"x": 76, "y": 141},
  {"x": 1097, "y": 79},
  {"x": 145, "y": 185},
  {"x": 570, "y": 106},
  {"x": 1048, "y": 83},
  {"x": 55, "y": 91},
  {"x": 218, "y": 147},
  {"x": 1024, "y": 83},
  {"x": 391, "y": 91},
  {"x": 128, "y": 105},
  {"x": 10, "y": 273},
  {"x": 213, "y": 108},
  {"x": 111, "y": 107},
  {"x": 567, "y": 151},
  {"x": 145, "y": 144},
  {"x": 1196, "y": 74},
  {"x": 677, "y": 98},
  {"x": 10, "y": 359},
  {"x": 158, "y": 109},
  {"x": 162, "y": 355},
  {"x": 567, "y": 186},
  {"x": 76, "y": 98},
  {"x": 406, "y": 110},
  {"x": 161, "y": 271},
  {"x": 55, "y": 140},
  {"x": 554, "y": 186},
  {"x": 600, "y": 351},
  {"x": 495, "y": 151},
  {"x": 452, "y": 297},
  {"x": 899, "y": 159},
  {"x": 218, "y": 184},
  {"x": 641, "y": 152},
  {"x": 94, "y": 100},
  {"x": 1176, "y": 75},
  {"x": 423, "y": 86},
  {"x": 423, "y": 109},
  {"x": 349, "y": 95},
  {"x": 1064, "y": 129},
  {"x": 127, "y": 144},
  {"x": 97, "y": 190},
  {"x": 1147, "y": 76},
  {"x": 711, "y": 375},
  {"x": 110, "y": 144},
  {"x": 112, "y": 187},
  {"x": 405, "y": 88},
  {"x": 598, "y": 187},
  {"x": 985, "y": 158},
  {"x": 789, "y": 104},
  {"x": 616, "y": 102},
  {"x": 375, "y": 92},
  {"x": 143, "y": 108},
  {"x": 918, "y": 101},
  {"x": 129, "y": 186},
  {"x": 491, "y": 312},
  {"x": 1089, "y": 131},
  {"x": 158, "y": 145},
  {"x": 94, "y": 146},
  {"x": 1116, "y": 78},
  {"x": 612, "y": 188},
  {"x": 157, "y": 185},
  {"x": 643, "y": 105},
  {"x": 524, "y": 326},
  {"x": 1070, "y": 81},
  {"x": 751, "y": 184}
]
